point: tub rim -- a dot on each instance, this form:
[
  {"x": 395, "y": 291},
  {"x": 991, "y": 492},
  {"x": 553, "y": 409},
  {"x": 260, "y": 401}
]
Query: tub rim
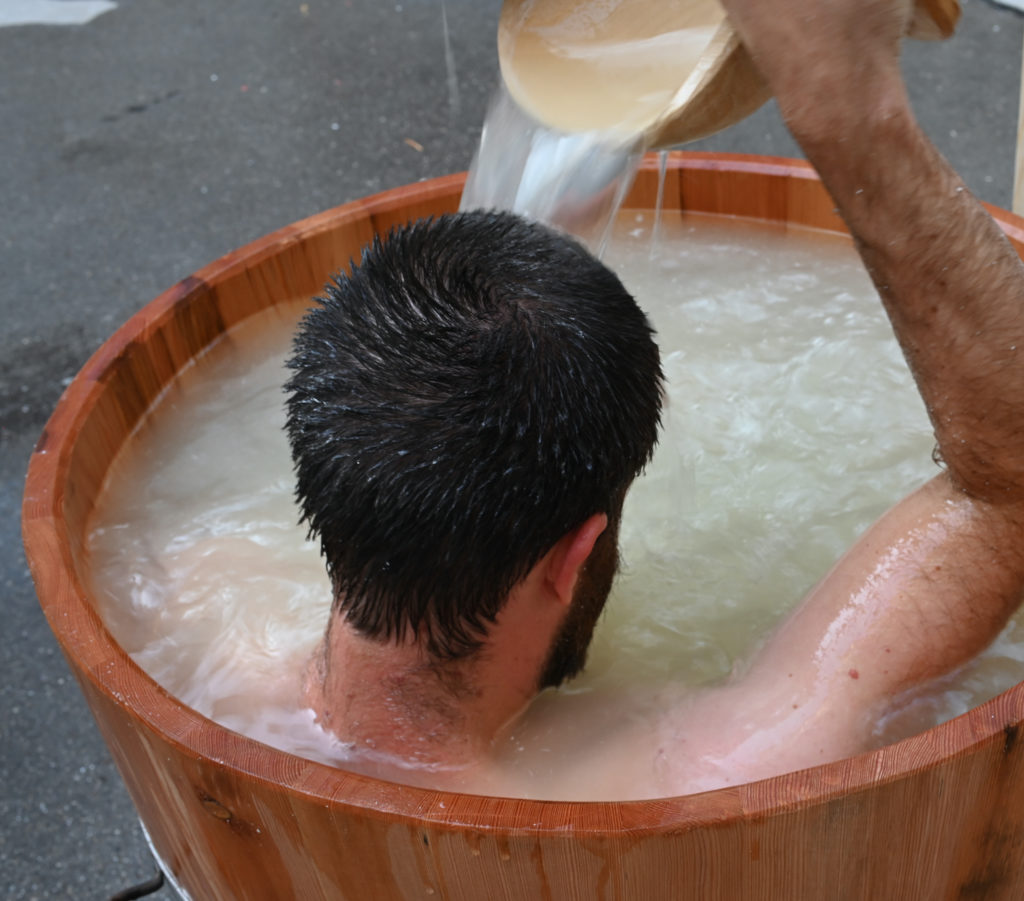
[{"x": 97, "y": 657}]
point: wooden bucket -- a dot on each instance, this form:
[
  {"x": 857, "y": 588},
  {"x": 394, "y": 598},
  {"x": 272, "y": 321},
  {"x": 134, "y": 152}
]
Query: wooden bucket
[{"x": 940, "y": 815}]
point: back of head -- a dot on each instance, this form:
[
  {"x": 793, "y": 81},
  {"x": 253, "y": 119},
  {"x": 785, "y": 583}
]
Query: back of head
[{"x": 476, "y": 388}]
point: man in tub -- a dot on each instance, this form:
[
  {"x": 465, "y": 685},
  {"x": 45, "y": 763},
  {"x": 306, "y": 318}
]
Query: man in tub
[{"x": 468, "y": 409}]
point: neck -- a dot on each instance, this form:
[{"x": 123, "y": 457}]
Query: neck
[{"x": 392, "y": 700}]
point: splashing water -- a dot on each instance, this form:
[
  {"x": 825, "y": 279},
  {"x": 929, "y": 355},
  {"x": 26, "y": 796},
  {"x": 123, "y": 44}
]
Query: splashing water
[
  {"x": 659, "y": 202},
  {"x": 603, "y": 90},
  {"x": 454, "y": 100},
  {"x": 572, "y": 181}
]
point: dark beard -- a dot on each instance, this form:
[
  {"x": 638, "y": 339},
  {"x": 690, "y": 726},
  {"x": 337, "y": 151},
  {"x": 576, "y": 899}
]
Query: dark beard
[{"x": 568, "y": 653}]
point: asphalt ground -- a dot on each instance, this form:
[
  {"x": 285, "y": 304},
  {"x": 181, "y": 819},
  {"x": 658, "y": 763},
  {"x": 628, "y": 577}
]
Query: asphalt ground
[{"x": 140, "y": 146}]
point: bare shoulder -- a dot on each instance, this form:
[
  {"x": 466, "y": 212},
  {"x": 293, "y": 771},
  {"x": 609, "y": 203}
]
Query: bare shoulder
[
  {"x": 924, "y": 589},
  {"x": 927, "y": 587}
]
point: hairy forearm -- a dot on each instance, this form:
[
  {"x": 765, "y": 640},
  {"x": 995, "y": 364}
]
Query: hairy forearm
[
  {"x": 950, "y": 281},
  {"x": 933, "y": 581}
]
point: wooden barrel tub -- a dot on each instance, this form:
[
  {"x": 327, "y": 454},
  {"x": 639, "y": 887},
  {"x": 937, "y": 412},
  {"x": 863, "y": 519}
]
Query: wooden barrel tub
[{"x": 939, "y": 815}]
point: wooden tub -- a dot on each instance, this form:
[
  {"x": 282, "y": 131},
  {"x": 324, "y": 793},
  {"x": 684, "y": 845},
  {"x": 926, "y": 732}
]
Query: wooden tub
[{"x": 940, "y": 815}]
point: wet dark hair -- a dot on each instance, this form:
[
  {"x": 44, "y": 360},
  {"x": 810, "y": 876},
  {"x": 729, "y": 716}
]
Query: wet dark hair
[{"x": 476, "y": 388}]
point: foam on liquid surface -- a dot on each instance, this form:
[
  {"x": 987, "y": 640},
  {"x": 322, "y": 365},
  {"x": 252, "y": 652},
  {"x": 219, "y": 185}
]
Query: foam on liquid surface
[{"x": 792, "y": 423}]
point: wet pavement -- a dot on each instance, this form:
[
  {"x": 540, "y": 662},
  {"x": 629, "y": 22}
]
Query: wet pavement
[{"x": 140, "y": 146}]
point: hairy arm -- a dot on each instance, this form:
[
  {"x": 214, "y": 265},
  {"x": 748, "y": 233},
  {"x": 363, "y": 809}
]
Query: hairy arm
[{"x": 934, "y": 580}]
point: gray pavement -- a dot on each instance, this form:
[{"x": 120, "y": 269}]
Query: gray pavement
[{"x": 138, "y": 147}]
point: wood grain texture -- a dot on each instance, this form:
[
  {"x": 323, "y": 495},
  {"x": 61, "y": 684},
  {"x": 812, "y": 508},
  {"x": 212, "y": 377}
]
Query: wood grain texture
[
  {"x": 935, "y": 20},
  {"x": 938, "y": 816},
  {"x": 724, "y": 89}
]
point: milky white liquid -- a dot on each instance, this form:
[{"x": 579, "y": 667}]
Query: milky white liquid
[
  {"x": 581, "y": 84},
  {"x": 574, "y": 181},
  {"x": 791, "y": 424},
  {"x": 611, "y": 65}
]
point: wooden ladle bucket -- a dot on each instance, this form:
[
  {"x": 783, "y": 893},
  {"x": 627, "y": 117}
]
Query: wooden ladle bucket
[
  {"x": 671, "y": 70},
  {"x": 937, "y": 816}
]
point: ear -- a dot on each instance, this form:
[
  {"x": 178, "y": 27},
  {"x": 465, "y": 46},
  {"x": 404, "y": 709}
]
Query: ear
[{"x": 570, "y": 554}]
